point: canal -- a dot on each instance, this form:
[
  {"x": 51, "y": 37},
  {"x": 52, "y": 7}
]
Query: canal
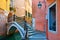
[{"x": 15, "y": 36}]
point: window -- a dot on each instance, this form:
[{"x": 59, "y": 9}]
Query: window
[
  {"x": 52, "y": 18},
  {"x": 11, "y": 3},
  {"x": 28, "y": 14}
]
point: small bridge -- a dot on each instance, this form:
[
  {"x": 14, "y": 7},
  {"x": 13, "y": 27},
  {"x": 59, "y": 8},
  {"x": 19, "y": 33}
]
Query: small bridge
[{"x": 14, "y": 26}]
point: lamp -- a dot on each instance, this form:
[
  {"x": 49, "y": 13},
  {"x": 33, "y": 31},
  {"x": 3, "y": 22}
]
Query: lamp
[{"x": 39, "y": 4}]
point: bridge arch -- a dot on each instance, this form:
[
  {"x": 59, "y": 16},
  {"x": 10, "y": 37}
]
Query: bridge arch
[{"x": 15, "y": 26}]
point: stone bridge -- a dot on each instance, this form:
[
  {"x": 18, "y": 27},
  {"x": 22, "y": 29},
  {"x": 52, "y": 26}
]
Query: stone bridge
[{"x": 13, "y": 26}]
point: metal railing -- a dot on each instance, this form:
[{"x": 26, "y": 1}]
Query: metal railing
[{"x": 19, "y": 20}]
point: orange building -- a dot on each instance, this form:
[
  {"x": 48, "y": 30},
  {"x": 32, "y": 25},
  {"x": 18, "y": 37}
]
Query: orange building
[
  {"x": 39, "y": 14},
  {"x": 53, "y": 19},
  {"x": 46, "y": 18}
]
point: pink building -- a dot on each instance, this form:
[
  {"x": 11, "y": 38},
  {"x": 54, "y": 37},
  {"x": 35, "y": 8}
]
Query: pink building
[
  {"x": 47, "y": 17},
  {"x": 39, "y": 14}
]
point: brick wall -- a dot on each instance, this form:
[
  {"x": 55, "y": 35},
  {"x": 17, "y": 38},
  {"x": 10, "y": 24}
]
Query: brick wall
[{"x": 39, "y": 14}]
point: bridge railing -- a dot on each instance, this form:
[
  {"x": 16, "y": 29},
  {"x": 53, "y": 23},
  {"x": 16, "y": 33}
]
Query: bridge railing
[
  {"x": 19, "y": 20},
  {"x": 29, "y": 20}
]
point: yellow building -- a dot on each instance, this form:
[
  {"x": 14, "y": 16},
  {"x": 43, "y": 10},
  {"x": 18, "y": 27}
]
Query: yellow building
[
  {"x": 4, "y": 4},
  {"x": 23, "y": 8},
  {"x": 28, "y": 9},
  {"x": 20, "y": 8}
]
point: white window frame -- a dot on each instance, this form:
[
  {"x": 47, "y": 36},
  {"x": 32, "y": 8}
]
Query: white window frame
[{"x": 56, "y": 18}]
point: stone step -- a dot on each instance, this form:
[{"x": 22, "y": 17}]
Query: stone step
[
  {"x": 34, "y": 35},
  {"x": 38, "y": 35},
  {"x": 30, "y": 31},
  {"x": 37, "y": 39},
  {"x": 30, "y": 34}
]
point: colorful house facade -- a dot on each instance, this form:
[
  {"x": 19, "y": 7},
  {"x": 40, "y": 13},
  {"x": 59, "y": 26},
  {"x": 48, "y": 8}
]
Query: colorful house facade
[
  {"x": 24, "y": 9},
  {"x": 39, "y": 14},
  {"x": 4, "y": 10},
  {"x": 53, "y": 19},
  {"x": 47, "y": 17}
]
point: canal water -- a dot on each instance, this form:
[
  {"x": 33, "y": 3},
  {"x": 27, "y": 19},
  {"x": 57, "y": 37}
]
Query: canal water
[{"x": 15, "y": 36}]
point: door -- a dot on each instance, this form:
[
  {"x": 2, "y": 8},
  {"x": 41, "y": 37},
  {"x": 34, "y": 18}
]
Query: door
[{"x": 33, "y": 23}]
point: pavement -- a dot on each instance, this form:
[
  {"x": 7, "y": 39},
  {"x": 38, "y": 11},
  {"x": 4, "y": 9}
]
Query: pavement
[{"x": 38, "y": 36}]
